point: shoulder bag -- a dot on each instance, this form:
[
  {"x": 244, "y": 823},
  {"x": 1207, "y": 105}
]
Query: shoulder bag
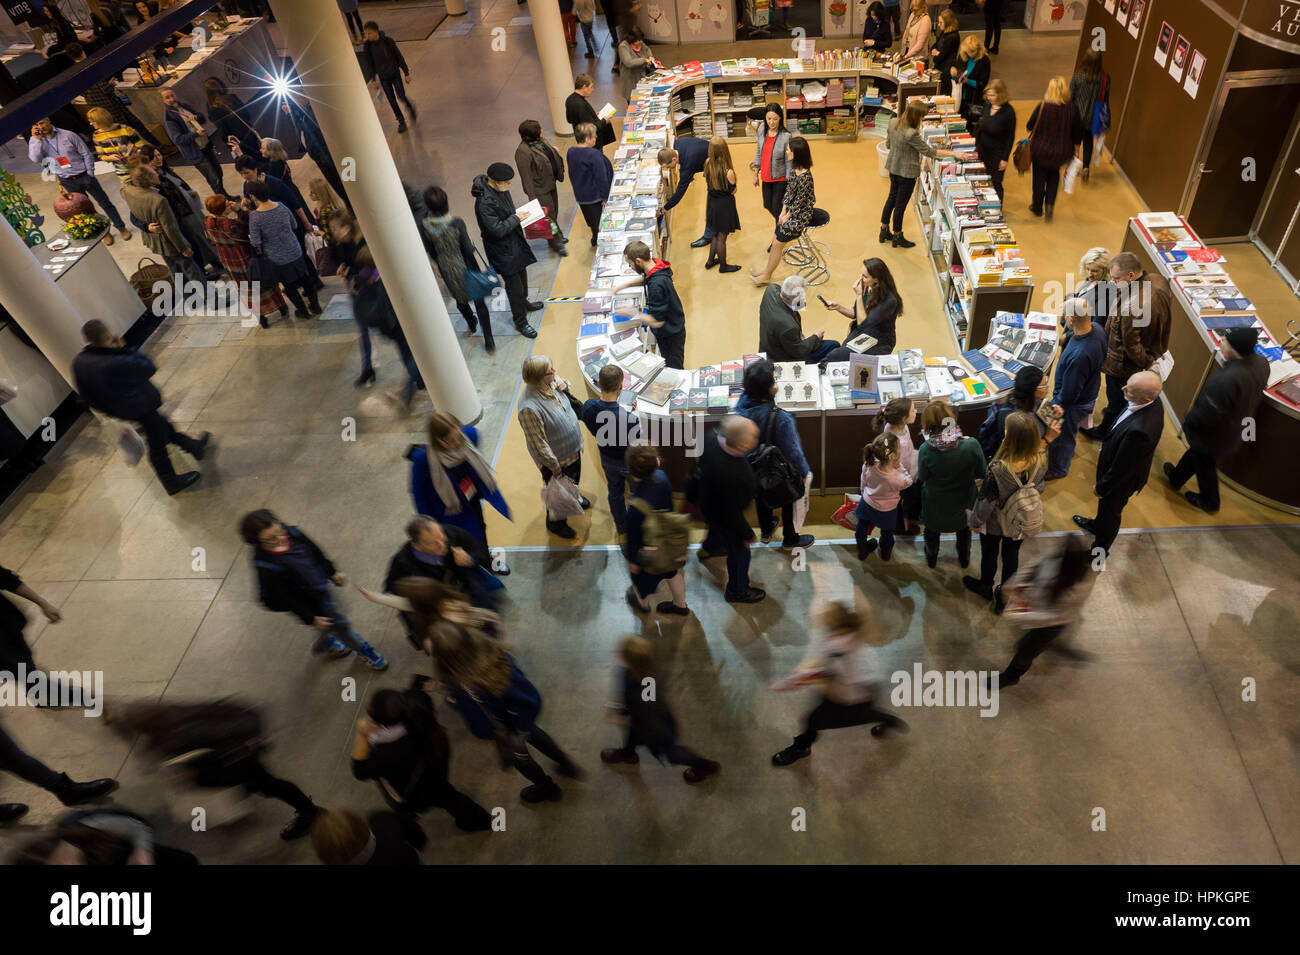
[
  {"x": 1022, "y": 158},
  {"x": 479, "y": 282}
]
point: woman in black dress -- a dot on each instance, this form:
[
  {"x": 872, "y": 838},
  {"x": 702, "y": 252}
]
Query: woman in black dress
[
  {"x": 720, "y": 211},
  {"x": 996, "y": 134},
  {"x": 875, "y": 310},
  {"x": 797, "y": 210}
]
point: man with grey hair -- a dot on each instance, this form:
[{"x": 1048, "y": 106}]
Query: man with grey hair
[
  {"x": 1078, "y": 379},
  {"x": 1137, "y": 333},
  {"x": 780, "y": 330},
  {"x": 726, "y": 485},
  {"x": 447, "y": 554},
  {"x": 1125, "y": 459}
]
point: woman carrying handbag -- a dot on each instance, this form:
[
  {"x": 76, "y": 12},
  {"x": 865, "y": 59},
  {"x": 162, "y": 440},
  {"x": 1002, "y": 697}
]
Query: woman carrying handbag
[{"x": 465, "y": 277}]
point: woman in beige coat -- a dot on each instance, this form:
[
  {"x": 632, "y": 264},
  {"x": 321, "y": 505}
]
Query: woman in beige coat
[
  {"x": 162, "y": 234},
  {"x": 540, "y": 167},
  {"x": 916, "y": 35}
]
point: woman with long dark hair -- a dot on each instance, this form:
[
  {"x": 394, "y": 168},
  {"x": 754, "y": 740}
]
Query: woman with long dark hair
[
  {"x": 1088, "y": 87},
  {"x": 1044, "y": 599},
  {"x": 875, "y": 311},
  {"x": 720, "y": 216},
  {"x": 401, "y": 746},
  {"x": 772, "y": 139},
  {"x": 796, "y": 208}
]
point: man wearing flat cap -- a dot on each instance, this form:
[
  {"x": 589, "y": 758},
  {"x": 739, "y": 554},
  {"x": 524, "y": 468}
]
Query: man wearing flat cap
[
  {"x": 1218, "y": 419},
  {"x": 503, "y": 240}
]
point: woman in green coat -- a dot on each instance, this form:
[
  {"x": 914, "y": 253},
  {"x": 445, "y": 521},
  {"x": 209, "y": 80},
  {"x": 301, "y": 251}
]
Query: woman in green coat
[{"x": 948, "y": 466}]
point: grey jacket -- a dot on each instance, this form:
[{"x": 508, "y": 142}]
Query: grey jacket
[
  {"x": 148, "y": 206},
  {"x": 906, "y": 146},
  {"x": 631, "y": 67},
  {"x": 778, "y": 150}
]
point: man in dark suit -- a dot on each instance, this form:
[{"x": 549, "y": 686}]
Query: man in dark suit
[
  {"x": 115, "y": 380},
  {"x": 1217, "y": 420},
  {"x": 726, "y": 486},
  {"x": 1125, "y": 459},
  {"x": 780, "y": 329},
  {"x": 686, "y": 155}
]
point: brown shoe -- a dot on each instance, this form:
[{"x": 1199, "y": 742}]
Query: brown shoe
[
  {"x": 693, "y": 775},
  {"x": 616, "y": 754}
]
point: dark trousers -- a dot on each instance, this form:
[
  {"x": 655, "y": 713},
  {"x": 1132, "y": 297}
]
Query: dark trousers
[
  {"x": 774, "y": 197},
  {"x": 990, "y": 544},
  {"x": 394, "y": 90},
  {"x": 413, "y": 377},
  {"x": 676, "y": 754},
  {"x": 900, "y": 191},
  {"x": 86, "y": 183},
  {"x": 296, "y": 291},
  {"x": 572, "y": 471},
  {"x": 1029, "y": 647},
  {"x": 963, "y": 543},
  {"x": 611, "y": 21},
  {"x": 588, "y": 36},
  {"x": 591, "y": 212},
  {"x": 767, "y": 522},
  {"x": 258, "y": 780},
  {"x": 1046, "y": 181},
  {"x": 992, "y": 24},
  {"x": 209, "y": 167},
  {"x": 14, "y": 760},
  {"x": 616, "y": 480},
  {"x": 353, "y": 19},
  {"x": 158, "y": 433},
  {"x": 869, "y": 518},
  {"x": 723, "y": 540},
  {"x": 1110, "y": 509},
  {"x": 996, "y": 175},
  {"x": 484, "y": 320},
  {"x": 1115, "y": 403},
  {"x": 517, "y": 293},
  {"x": 14, "y": 651},
  {"x": 1088, "y": 143},
  {"x": 833, "y": 716},
  {"x": 514, "y": 748},
  {"x": 672, "y": 348},
  {"x": 1207, "y": 476},
  {"x": 367, "y": 349},
  {"x": 896, "y": 18}
]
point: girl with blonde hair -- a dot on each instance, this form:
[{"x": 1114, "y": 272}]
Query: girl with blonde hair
[
  {"x": 720, "y": 216},
  {"x": 1018, "y": 464},
  {"x": 971, "y": 75}
]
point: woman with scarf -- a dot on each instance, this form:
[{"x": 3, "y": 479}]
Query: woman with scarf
[
  {"x": 454, "y": 254},
  {"x": 948, "y": 465},
  {"x": 226, "y": 227},
  {"x": 450, "y": 479}
]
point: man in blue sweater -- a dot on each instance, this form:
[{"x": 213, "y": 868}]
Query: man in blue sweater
[
  {"x": 614, "y": 428},
  {"x": 1078, "y": 379},
  {"x": 590, "y": 174},
  {"x": 688, "y": 158}
]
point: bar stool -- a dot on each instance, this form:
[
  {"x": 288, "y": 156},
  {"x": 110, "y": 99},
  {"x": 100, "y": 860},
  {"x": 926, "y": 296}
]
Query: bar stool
[{"x": 807, "y": 255}]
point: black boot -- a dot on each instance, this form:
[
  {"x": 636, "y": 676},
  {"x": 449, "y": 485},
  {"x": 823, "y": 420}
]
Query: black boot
[
  {"x": 932, "y": 553},
  {"x": 963, "y": 553},
  {"x": 978, "y": 587},
  {"x": 885, "y": 233},
  {"x": 902, "y": 243},
  {"x": 561, "y": 529},
  {"x": 72, "y": 793}
]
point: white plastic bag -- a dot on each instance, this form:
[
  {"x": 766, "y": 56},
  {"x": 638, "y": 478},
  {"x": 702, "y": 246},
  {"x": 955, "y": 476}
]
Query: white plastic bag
[
  {"x": 801, "y": 505},
  {"x": 1072, "y": 175},
  {"x": 561, "y": 499}
]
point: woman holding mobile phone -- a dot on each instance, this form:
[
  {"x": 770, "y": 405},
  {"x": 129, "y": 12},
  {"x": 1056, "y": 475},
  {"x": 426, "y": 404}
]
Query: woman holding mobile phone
[{"x": 874, "y": 312}]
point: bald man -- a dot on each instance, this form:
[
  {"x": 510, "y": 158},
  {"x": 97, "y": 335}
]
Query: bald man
[
  {"x": 1125, "y": 459},
  {"x": 727, "y": 486}
]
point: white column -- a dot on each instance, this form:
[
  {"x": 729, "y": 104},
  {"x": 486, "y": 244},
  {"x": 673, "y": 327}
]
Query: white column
[
  {"x": 322, "y": 51},
  {"x": 455, "y": 8},
  {"x": 557, "y": 68},
  {"x": 37, "y": 303}
]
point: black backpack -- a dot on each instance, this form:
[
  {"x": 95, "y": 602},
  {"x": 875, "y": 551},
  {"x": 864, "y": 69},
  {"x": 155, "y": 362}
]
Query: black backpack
[{"x": 778, "y": 484}]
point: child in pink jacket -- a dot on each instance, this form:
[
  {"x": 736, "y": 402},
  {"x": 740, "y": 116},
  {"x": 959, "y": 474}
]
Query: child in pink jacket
[{"x": 883, "y": 480}]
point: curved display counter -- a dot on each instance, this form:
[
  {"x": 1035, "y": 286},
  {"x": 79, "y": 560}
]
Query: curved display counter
[
  {"x": 832, "y": 434},
  {"x": 1262, "y": 469}
]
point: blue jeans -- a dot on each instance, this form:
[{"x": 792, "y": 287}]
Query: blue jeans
[
  {"x": 1061, "y": 451},
  {"x": 341, "y": 630},
  {"x": 413, "y": 379},
  {"x": 616, "y": 478},
  {"x": 721, "y": 539},
  {"x": 366, "y": 348},
  {"x": 394, "y": 89},
  {"x": 588, "y": 36},
  {"x": 886, "y": 521},
  {"x": 821, "y": 351}
]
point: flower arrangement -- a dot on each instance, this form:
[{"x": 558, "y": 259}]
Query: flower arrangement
[
  {"x": 838, "y": 8},
  {"x": 85, "y": 226}
]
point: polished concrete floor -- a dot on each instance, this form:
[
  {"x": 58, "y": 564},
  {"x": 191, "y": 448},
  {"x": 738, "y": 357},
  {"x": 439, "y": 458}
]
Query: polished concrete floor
[{"x": 1153, "y": 729}]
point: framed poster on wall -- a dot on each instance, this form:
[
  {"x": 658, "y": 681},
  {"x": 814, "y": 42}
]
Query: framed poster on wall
[
  {"x": 658, "y": 21},
  {"x": 1136, "y": 17},
  {"x": 837, "y": 18},
  {"x": 1179, "y": 58},
  {"x": 1043, "y": 15},
  {"x": 1194, "y": 73},
  {"x": 1121, "y": 13},
  {"x": 1161, "y": 55}
]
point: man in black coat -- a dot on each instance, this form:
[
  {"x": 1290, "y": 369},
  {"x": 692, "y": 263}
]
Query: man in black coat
[
  {"x": 726, "y": 486},
  {"x": 1217, "y": 421},
  {"x": 445, "y": 553},
  {"x": 686, "y": 155},
  {"x": 780, "y": 327},
  {"x": 115, "y": 380},
  {"x": 504, "y": 242},
  {"x": 1125, "y": 459},
  {"x": 381, "y": 62}
]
